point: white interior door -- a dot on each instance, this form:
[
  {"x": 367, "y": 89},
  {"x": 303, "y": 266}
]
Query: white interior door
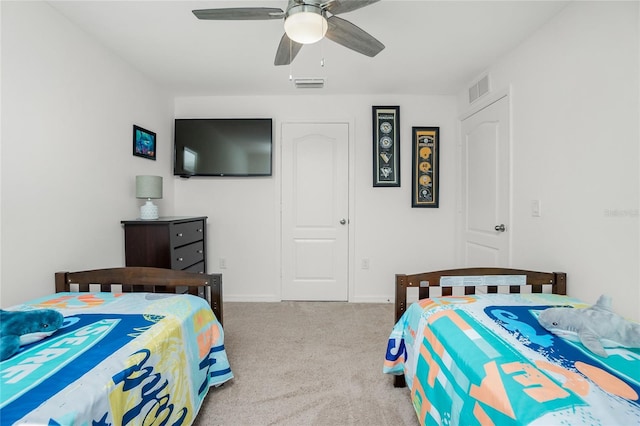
[
  {"x": 315, "y": 216},
  {"x": 485, "y": 186}
]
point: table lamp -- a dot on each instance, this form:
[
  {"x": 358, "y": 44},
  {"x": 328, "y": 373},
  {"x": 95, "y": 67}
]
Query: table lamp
[{"x": 148, "y": 187}]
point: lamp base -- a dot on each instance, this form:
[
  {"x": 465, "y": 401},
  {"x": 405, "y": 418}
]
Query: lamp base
[{"x": 148, "y": 211}]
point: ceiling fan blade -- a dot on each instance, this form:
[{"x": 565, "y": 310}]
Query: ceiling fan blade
[
  {"x": 240, "y": 13},
  {"x": 287, "y": 51},
  {"x": 352, "y": 37},
  {"x": 344, "y": 6}
]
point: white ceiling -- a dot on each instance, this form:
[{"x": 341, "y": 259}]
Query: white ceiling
[{"x": 432, "y": 47}]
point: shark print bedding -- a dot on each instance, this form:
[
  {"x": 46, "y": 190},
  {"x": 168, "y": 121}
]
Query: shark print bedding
[
  {"x": 118, "y": 359},
  {"x": 485, "y": 359}
]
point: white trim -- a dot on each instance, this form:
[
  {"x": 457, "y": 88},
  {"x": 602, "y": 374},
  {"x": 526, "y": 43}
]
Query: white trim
[
  {"x": 373, "y": 299},
  {"x": 251, "y": 298},
  {"x": 351, "y": 274}
]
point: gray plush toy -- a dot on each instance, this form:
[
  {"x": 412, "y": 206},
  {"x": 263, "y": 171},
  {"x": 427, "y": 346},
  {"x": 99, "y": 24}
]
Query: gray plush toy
[{"x": 595, "y": 327}]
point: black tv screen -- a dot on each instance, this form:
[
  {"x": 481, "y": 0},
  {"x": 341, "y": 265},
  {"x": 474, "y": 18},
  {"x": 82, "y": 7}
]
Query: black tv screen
[{"x": 223, "y": 147}]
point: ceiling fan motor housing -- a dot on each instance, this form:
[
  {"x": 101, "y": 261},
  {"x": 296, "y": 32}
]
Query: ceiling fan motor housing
[{"x": 305, "y": 23}]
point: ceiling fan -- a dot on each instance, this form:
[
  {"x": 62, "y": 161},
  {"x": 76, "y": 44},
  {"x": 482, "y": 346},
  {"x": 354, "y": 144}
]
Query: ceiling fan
[{"x": 306, "y": 22}]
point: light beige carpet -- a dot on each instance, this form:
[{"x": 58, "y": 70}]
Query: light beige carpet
[{"x": 307, "y": 363}]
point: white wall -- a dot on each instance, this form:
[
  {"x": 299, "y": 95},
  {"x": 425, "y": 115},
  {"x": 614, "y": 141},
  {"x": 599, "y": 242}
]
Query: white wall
[
  {"x": 244, "y": 212},
  {"x": 0, "y": 158},
  {"x": 575, "y": 87},
  {"x": 67, "y": 172}
]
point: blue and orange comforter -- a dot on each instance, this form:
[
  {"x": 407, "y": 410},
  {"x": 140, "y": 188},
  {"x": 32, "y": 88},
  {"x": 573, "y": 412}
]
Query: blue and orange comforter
[
  {"x": 119, "y": 359},
  {"x": 484, "y": 359}
]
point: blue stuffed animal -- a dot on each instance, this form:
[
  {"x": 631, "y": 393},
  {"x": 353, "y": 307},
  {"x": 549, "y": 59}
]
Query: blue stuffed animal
[{"x": 19, "y": 328}]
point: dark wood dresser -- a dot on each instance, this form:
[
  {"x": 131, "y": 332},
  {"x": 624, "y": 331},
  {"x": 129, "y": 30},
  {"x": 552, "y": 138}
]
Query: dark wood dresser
[{"x": 168, "y": 242}]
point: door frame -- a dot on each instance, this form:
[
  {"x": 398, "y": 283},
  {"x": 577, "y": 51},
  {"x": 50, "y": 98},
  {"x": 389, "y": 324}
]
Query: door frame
[
  {"x": 350, "y": 122},
  {"x": 490, "y": 99}
]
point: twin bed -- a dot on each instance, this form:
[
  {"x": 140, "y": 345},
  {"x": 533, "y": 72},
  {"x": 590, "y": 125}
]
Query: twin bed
[
  {"x": 472, "y": 352},
  {"x": 138, "y": 346}
]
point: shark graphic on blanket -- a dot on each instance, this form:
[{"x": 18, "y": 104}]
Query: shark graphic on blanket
[{"x": 486, "y": 359}]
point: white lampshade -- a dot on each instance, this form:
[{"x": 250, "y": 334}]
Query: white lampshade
[
  {"x": 305, "y": 24},
  {"x": 149, "y": 187}
]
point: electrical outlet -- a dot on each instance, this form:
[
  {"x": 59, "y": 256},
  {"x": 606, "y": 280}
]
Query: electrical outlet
[
  {"x": 365, "y": 263},
  {"x": 223, "y": 263}
]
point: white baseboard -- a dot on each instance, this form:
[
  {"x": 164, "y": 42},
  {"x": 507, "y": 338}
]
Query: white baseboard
[
  {"x": 250, "y": 298},
  {"x": 270, "y": 298},
  {"x": 373, "y": 299}
]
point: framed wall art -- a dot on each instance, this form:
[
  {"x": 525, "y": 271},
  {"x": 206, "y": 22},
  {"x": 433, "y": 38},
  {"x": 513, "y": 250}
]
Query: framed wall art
[
  {"x": 426, "y": 167},
  {"x": 386, "y": 146},
  {"x": 144, "y": 143}
]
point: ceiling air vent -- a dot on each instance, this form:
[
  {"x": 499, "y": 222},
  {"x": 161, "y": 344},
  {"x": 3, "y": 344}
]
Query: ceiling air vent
[
  {"x": 479, "y": 88},
  {"x": 309, "y": 83}
]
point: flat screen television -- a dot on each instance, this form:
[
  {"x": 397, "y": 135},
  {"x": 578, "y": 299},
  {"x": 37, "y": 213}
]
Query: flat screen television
[{"x": 223, "y": 147}]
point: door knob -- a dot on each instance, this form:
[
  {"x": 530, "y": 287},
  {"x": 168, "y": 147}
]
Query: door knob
[
  {"x": 500, "y": 228},
  {"x": 343, "y": 221}
]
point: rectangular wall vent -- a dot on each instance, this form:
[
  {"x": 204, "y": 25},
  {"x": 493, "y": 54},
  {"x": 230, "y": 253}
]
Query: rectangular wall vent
[
  {"x": 309, "y": 83},
  {"x": 473, "y": 93},
  {"x": 479, "y": 89}
]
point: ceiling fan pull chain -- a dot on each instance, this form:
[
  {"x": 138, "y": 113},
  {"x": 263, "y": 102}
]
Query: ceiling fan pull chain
[
  {"x": 322, "y": 42},
  {"x": 290, "y": 61}
]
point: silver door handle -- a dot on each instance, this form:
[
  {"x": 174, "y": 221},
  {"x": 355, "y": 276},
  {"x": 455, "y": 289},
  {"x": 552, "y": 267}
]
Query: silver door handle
[
  {"x": 500, "y": 228},
  {"x": 343, "y": 222}
]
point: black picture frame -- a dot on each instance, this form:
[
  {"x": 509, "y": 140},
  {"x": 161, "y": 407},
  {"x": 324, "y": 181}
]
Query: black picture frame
[
  {"x": 144, "y": 143},
  {"x": 386, "y": 146},
  {"x": 426, "y": 167}
]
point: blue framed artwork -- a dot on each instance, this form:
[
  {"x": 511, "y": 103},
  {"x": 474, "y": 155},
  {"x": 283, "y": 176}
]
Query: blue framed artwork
[{"x": 144, "y": 143}]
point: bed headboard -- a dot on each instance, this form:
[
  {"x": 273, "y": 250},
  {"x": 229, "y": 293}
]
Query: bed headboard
[
  {"x": 536, "y": 280},
  {"x": 145, "y": 279}
]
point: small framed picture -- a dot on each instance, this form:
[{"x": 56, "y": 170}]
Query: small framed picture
[
  {"x": 144, "y": 143},
  {"x": 426, "y": 167},
  {"x": 386, "y": 146}
]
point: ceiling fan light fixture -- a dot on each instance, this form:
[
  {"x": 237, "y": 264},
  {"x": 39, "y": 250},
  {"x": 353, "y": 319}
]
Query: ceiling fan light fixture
[{"x": 305, "y": 24}]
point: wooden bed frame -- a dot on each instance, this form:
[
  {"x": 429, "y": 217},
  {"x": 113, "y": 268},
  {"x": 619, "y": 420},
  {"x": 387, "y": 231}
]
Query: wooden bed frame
[
  {"x": 423, "y": 281},
  {"x": 145, "y": 279}
]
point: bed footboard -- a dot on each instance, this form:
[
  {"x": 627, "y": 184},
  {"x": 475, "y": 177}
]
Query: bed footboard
[{"x": 145, "y": 279}]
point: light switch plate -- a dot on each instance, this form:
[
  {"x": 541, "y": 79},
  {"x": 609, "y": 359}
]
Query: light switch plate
[{"x": 535, "y": 208}]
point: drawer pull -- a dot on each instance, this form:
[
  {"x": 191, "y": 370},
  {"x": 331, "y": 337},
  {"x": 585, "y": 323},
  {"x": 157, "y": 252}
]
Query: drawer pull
[
  {"x": 199, "y": 229},
  {"x": 180, "y": 259},
  {"x": 200, "y": 252},
  {"x": 179, "y": 234}
]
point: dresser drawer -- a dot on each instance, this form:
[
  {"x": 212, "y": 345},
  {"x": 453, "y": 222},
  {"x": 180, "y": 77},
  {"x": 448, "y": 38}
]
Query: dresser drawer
[
  {"x": 186, "y": 232},
  {"x": 198, "y": 268},
  {"x": 187, "y": 255}
]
